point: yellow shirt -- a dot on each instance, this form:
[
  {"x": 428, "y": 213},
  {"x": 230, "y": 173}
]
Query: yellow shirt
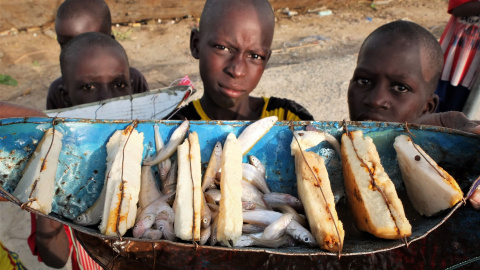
[{"x": 9, "y": 260}]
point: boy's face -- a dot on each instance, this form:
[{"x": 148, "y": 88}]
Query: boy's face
[
  {"x": 233, "y": 50},
  {"x": 390, "y": 82},
  {"x": 98, "y": 74},
  {"x": 69, "y": 28}
]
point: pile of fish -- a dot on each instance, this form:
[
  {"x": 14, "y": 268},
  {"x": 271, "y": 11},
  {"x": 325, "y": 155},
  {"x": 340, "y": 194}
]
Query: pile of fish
[{"x": 166, "y": 196}]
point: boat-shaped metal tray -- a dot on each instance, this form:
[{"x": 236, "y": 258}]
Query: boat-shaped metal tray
[{"x": 81, "y": 171}]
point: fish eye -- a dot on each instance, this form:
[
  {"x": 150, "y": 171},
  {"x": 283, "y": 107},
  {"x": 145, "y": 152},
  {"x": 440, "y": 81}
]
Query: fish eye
[{"x": 307, "y": 239}]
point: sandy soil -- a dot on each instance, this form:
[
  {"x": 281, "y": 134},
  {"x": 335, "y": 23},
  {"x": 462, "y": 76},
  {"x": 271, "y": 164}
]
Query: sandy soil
[{"x": 312, "y": 62}]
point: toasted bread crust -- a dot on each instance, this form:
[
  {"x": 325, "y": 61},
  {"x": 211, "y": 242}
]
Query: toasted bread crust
[{"x": 375, "y": 205}]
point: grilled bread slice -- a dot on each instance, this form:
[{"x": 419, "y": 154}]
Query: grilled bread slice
[
  {"x": 430, "y": 188},
  {"x": 371, "y": 194},
  {"x": 317, "y": 197}
]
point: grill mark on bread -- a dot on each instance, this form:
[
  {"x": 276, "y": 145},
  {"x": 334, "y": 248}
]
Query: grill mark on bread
[{"x": 372, "y": 182}]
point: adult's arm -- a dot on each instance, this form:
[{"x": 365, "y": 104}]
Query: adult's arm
[
  {"x": 12, "y": 110},
  {"x": 459, "y": 121}
]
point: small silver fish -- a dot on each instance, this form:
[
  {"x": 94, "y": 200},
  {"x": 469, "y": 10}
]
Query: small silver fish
[
  {"x": 277, "y": 228},
  {"x": 205, "y": 235},
  {"x": 284, "y": 198},
  {"x": 170, "y": 183},
  {"x": 299, "y": 233},
  {"x": 252, "y": 194},
  {"x": 213, "y": 166},
  {"x": 288, "y": 209},
  {"x": 260, "y": 217},
  {"x": 166, "y": 228},
  {"x": 152, "y": 234},
  {"x": 149, "y": 191},
  {"x": 175, "y": 140},
  {"x": 257, "y": 164},
  {"x": 252, "y": 228},
  {"x": 206, "y": 214},
  {"x": 282, "y": 241},
  {"x": 213, "y": 195},
  {"x": 246, "y": 240},
  {"x": 164, "y": 166},
  {"x": 143, "y": 223},
  {"x": 254, "y": 132},
  {"x": 251, "y": 175},
  {"x": 248, "y": 205},
  {"x": 213, "y": 236}
]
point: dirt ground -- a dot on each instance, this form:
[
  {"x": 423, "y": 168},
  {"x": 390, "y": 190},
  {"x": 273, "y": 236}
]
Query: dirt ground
[{"x": 312, "y": 62}]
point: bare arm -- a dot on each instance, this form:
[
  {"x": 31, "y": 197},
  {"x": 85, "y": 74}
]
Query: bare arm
[
  {"x": 11, "y": 110},
  {"x": 467, "y": 9},
  {"x": 52, "y": 242},
  {"x": 50, "y": 238}
]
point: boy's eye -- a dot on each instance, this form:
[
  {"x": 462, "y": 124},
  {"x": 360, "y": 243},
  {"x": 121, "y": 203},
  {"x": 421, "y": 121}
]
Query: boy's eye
[
  {"x": 222, "y": 48},
  {"x": 120, "y": 85},
  {"x": 363, "y": 81},
  {"x": 400, "y": 88},
  {"x": 88, "y": 87},
  {"x": 257, "y": 56}
]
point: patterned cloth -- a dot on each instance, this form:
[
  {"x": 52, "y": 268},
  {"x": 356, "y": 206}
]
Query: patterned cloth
[
  {"x": 285, "y": 109},
  {"x": 80, "y": 258},
  {"x": 460, "y": 42},
  {"x": 9, "y": 260}
]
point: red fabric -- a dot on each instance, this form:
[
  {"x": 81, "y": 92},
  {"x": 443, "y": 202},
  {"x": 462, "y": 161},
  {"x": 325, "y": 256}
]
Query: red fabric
[
  {"x": 33, "y": 245},
  {"x": 455, "y": 3}
]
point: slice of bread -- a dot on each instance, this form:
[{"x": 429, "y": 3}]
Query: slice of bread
[
  {"x": 430, "y": 188},
  {"x": 371, "y": 194},
  {"x": 37, "y": 185},
  {"x": 230, "y": 216},
  {"x": 320, "y": 208}
]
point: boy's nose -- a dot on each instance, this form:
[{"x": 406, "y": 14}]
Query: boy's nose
[
  {"x": 378, "y": 96},
  {"x": 104, "y": 92},
  {"x": 236, "y": 67}
]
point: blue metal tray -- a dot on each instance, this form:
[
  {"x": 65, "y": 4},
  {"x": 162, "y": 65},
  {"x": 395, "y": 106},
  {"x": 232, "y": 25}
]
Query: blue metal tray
[{"x": 81, "y": 167}]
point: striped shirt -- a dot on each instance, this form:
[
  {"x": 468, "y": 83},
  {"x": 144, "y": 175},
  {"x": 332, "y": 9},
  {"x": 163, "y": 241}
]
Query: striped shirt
[
  {"x": 284, "y": 109},
  {"x": 460, "y": 42}
]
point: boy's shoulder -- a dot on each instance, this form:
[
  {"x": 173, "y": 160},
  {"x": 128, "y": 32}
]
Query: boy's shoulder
[
  {"x": 188, "y": 111},
  {"x": 291, "y": 109}
]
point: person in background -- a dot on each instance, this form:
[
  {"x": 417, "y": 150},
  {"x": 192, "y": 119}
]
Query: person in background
[
  {"x": 9, "y": 260},
  {"x": 397, "y": 71},
  {"x": 460, "y": 42},
  {"x": 232, "y": 45},
  {"x": 94, "y": 67},
  {"x": 77, "y": 17}
]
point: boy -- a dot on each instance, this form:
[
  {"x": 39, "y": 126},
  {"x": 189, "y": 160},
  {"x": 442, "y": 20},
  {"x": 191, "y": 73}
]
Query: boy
[
  {"x": 397, "y": 71},
  {"x": 398, "y": 68},
  {"x": 77, "y": 17},
  {"x": 233, "y": 48},
  {"x": 94, "y": 67}
]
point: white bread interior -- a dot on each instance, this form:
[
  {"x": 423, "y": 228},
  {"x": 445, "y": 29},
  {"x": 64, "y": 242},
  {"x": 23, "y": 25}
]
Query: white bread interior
[
  {"x": 328, "y": 232},
  {"x": 380, "y": 215},
  {"x": 230, "y": 217},
  {"x": 196, "y": 167},
  {"x": 124, "y": 159},
  {"x": 41, "y": 180},
  {"x": 430, "y": 188},
  {"x": 183, "y": 208}
]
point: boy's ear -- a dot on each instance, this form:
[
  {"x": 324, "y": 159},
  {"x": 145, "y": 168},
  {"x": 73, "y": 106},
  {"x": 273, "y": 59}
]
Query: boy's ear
[
  {"x": 64, "y": 96},
  {"x": 194, "y": 43},
  {"x": 431, "y": 105}
]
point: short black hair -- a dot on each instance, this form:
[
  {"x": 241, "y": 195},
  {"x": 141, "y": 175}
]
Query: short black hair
[
  {"x": 71, "y": 9},
  {"x": 210, "y": 10},
  {"x": 419, "y": 35},
  {"x": 83, "y": 42}
]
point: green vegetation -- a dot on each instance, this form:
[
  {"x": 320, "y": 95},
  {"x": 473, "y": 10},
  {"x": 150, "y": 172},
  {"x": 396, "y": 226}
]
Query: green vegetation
[{"x": 7, "y": 80}]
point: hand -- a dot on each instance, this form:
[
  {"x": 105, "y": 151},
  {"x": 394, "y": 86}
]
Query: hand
[
  {"x": 452, "y": 119},
  {"x": 475, "y": 199}
]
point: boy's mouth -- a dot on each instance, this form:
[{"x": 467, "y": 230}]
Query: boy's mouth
[{"x": 231, "y": 92}]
